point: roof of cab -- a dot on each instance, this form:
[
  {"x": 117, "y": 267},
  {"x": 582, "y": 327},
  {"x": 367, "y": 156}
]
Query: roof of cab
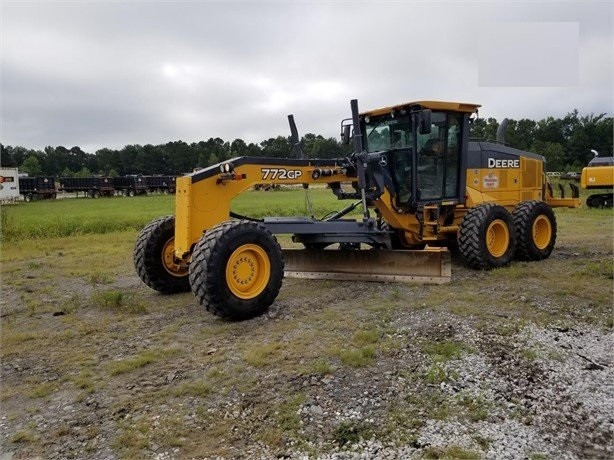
[
  {"x": 433, "y": 105},
  {"x": 601, "y": 161}
]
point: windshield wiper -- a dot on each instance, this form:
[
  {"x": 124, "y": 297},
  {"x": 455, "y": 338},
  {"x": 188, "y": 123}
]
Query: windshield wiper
[{"x": 373, "y": 129}]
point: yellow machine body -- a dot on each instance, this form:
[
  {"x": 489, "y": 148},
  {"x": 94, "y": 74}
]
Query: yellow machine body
[
  {"x": 597, "y": 177},
  {"x": 202, "y": 204},
  {"x": 203, "y": 198}
]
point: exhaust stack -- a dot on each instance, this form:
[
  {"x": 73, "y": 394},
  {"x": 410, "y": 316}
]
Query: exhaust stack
[{"x": 501, "y": 131}]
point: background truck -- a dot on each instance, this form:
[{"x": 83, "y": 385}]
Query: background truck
[
  {"x": 130, "y": 185},
  {"x": 416, "y": 182},
  {"x": 37, "y": 188},
  {"x": 93, "y": 187},
  {"x": 9, "y": 185},
  {"x": 161, "y": 184}
]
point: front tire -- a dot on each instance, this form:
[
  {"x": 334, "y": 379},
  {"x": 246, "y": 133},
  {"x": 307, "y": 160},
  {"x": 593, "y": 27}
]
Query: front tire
[
  {"x": 486, "y": 238},
  {"x": 237, "y": 269},
  {"x": 154, "y": 258},
  {"x": 535, "y": 226}
]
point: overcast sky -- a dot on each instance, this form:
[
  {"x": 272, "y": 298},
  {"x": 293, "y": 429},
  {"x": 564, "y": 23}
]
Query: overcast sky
[{"x": 110, "y": 73}]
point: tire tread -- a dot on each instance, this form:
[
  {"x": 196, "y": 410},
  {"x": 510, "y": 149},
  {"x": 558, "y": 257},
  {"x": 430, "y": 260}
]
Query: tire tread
[
  {"x": 470, "y": 241},
  {"x": 204, "y": 281},
  {"x": 524, "y": 215},
  {"x": 146, "y": 258}
]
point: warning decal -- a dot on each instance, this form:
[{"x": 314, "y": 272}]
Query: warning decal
[{"x": 491, "y": 181}]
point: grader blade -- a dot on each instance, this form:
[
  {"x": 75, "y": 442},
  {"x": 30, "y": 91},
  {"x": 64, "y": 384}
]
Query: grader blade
[{"x": 429, "y": 266}]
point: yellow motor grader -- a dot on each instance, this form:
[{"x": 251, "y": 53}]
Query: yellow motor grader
[{"x": 414, "y": 178}]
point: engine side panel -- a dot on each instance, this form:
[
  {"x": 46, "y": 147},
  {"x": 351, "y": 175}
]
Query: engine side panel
[
  {"x": 497, "y": 173},
  {"x": 597, "y": 177}
]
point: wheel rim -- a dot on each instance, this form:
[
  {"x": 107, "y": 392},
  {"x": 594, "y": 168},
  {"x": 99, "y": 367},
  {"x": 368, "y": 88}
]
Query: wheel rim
[
  {"x": 170, "y": 263},
  {"x": 248, "y": 271},
  {"x": 497, "y": 238},
  {"x": 542, "y": 232}
]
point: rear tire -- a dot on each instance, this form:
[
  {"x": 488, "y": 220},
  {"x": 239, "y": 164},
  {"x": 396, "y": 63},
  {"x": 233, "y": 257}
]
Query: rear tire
[
  {"x": 237, "y": 269},
  {"x": 154, "y": 258},
  {"x": 486, "y": 238},
  {"x": 535, "y": 226}
]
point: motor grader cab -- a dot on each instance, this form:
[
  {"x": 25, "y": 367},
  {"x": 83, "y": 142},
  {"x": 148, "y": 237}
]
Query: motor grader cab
[
  {"x": 417, "y": 182},
  {"x": 424, "y": 147}
]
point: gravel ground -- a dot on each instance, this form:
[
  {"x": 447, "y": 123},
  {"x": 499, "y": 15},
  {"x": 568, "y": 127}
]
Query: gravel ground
[
  {"x": 575, "y": 391},
  {"x": 442, "y": 383},
  {"x": 540, "y": 393}
]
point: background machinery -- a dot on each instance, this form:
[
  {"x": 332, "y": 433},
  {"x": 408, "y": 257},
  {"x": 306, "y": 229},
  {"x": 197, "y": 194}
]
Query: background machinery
[
  {"x": 599, "y": 175},
  {"x": 417, "y": 182},
  {"x": 34, "y": 188}
]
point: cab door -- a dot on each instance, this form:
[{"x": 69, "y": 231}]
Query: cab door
[{"x": 438, "y": 159}]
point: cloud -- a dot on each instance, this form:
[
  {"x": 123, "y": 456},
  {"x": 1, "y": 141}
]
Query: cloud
[{"x": 107, "y": 74}]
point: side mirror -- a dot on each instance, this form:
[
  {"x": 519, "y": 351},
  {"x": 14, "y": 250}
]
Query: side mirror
[
  {"x": 345, "y": 134},
  {"x": 424, "y": 121}
]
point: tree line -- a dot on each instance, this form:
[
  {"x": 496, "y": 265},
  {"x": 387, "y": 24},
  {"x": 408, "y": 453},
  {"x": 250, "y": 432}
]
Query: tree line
[
  {"x": 565, "y": 142},
  {"x": 177, "y": 157}
]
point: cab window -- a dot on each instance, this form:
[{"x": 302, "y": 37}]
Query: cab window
[
  {"x": 438, "y": 158},
  {"x": 385, "y": 133}
]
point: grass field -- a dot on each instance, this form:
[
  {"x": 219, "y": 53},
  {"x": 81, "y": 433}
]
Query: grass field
[{"x": 66, "y": 217}]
